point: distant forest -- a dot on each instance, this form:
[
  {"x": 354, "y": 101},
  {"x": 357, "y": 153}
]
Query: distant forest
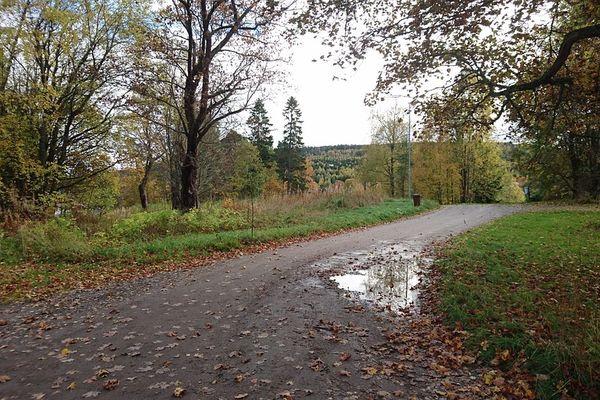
[{"x": 334, "y": 163}]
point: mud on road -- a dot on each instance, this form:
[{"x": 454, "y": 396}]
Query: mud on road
[{"x": 278, "y": 324}]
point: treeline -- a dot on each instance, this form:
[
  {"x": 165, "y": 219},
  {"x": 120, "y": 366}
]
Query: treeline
[
  {"x": 101, "y": 102},
  {"x": 232, "y": 165},
  {"x": 455, "y": 166},
  {"x": 103, "y": 98}
]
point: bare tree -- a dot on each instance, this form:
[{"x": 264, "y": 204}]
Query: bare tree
[
  {"x": 220, "y": 53},
  {"x": 390, "y": 131}
]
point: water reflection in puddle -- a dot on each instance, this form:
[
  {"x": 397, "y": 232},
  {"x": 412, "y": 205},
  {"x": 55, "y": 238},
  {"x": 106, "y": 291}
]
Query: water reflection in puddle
[{"x": 387, "y": 277}]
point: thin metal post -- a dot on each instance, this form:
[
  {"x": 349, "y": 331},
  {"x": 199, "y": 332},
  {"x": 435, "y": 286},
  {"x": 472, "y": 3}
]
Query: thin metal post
[
  {"x": 409, "y": 154},
  {"x": 409, "y": 167}
]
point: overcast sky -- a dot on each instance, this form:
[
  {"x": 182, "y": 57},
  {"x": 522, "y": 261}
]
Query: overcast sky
[{"x": 333, "y": 111}]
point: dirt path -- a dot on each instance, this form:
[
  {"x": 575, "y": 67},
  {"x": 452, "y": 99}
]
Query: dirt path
[{"x": 265, "y": 326}]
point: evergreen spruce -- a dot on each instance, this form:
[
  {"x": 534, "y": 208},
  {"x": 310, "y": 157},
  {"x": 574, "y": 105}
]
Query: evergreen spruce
[
  {"x": 260, "y": 132},
  {"x": 290, "y": 160}
]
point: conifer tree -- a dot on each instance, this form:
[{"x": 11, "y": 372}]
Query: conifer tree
[
  {"x": 290, "y": 160},
  {"x": 260, "y": 132}
]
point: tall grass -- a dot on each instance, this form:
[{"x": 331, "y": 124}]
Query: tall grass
[
  {"x": 44, "y": 257},
  {"x": 86, "y": 235}
]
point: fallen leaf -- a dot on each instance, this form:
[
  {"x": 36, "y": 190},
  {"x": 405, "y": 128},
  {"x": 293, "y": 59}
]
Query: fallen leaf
[
  {"x": 240, "y": 396},
  {"x": 71, "y": 386},
  {"x": 286, "y": 395},
  {"x": 102, "y": 373},
  {"x": 370, "y": 371},
  {"x": 178, "y": 392},
  {"x": 488, "y": 377},
  {"x": 43, "y": 325},
  {"x": 111, "y": 384},
  {"x": 440, "y": 369},
  {"x": 345, "y": 356},
  {"x": 317, "y": 365},
  {"x": 4, "y": 378}
]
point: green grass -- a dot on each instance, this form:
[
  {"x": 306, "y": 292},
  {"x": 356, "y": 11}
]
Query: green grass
[
  {"x": 529, "y": 283},
  {"x": 34, "y": 263}
]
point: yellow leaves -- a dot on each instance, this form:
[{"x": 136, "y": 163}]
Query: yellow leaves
[
  {"x": 488, "y": 377},
  {"x": 370, "y": 371},
  {"x": 501, "y": 356},
  {"x": 65, "y": 352},
  {"x": 178, "y": 392},
  {"x": 71, "y": 386}
]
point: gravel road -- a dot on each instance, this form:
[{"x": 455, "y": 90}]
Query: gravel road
[{"x": 263, "y": 326}]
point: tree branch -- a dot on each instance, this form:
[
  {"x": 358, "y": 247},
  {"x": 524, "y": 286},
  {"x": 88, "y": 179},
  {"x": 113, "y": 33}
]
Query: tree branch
[{"x": 548, "y": 77}]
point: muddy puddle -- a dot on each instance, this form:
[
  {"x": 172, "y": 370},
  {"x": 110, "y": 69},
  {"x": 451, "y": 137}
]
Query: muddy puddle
[{"x": 386, "y": 276}]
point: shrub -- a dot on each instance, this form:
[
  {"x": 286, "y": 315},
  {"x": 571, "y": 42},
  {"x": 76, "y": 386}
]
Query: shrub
[
  {"x": 206, "y": 219},
  {"x": 145, "y": 225},
  {"x": 56, "y": 239}
]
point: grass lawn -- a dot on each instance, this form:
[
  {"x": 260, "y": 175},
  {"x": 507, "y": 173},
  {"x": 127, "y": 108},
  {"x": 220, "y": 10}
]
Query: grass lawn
[
  {"x": 530, "y": 284},
  {"x": 59, "y": 255}
]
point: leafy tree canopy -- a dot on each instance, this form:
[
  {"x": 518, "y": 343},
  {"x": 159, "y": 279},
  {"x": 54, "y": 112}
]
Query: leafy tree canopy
[{"x": 501, "y": 47}]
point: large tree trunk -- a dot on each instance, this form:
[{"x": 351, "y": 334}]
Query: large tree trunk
[
  {"x": 189, "y": 177},
  {"x": 143, "y": 183},
  {"x": 143, "y": 196}
]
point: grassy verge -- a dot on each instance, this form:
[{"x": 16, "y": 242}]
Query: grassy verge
[
  {"x": 529, "y": 284},
  {"x": 59, "y": 255}
]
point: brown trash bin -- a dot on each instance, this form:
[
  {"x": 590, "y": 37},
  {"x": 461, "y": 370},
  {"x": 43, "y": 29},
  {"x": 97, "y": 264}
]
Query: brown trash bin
[{"x": 416, "y": 200}]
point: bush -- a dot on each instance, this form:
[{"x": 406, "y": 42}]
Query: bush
[
  {"x": 207, "y": 218},
  {"x": 56, "y": 239},
  {"x": 144, "y": 225},
  {"x": 10, "y": 251}
]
